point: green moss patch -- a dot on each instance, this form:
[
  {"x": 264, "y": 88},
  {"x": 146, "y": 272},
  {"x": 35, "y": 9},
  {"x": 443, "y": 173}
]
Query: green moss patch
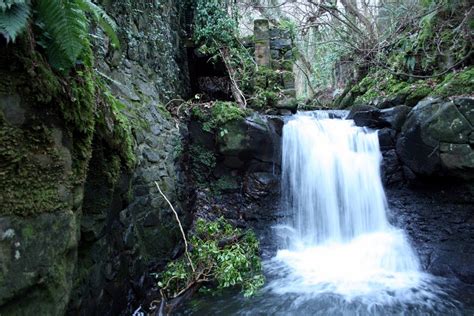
[
  {"x": 459, "y": 83},
  {"x": 218, "y": 114}
]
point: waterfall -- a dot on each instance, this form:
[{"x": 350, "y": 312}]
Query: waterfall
[{"x": 338, "y": 238}]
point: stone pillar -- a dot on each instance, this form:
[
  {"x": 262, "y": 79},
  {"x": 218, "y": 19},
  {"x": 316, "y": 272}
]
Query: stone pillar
[{"x": 262, "y": 42}]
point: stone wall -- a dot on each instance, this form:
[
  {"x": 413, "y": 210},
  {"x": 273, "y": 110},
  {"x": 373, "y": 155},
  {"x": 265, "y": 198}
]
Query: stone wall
[
  {"x": 81, "y": 232},
  {"x": 275, "y": 77},
  {"x": 133, "y": 233}
]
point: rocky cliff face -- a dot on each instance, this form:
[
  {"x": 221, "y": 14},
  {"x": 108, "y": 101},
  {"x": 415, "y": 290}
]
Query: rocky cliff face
[
  {"x": 80, "y": 231},
  {"x": 123, "y": 243}
]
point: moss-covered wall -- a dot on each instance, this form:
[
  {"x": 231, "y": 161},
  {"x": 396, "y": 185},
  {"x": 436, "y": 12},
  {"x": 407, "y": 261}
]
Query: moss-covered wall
[
  {"x": 127, "y": 228},
  {"x": 81, "y": 222},
  {"x": 45, "y": 149}
]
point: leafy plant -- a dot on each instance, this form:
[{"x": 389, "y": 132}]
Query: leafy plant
[
  {"x": 64, "y": 26},
  {"x": 14, "y": 16},
  {"x": 203, "y": 162},
  {"x": 217, "y": 34},
  {"x": 215, "y": 116},
  {"x": 222, "y": 256}
]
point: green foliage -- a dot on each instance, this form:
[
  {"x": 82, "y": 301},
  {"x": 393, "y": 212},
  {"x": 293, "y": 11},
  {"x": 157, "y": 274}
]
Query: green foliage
[
  {"x": 439, "y": 39},
  {"x": 289, "y": 27},
  {"x": 64, "y": 26},
  {"x": 236, "y": 263},
  {"x": 264, "y": 98},
  {"x": 14, "y": 16},
  {"x": 216, "y": 34},
  {"x": 220, "y": 113},
  {"x": 214, "y": 28},
  {"x": 268, "y": 85},
  {"x": 203, "y": 162},
  {"x": 103, "y": 19}
]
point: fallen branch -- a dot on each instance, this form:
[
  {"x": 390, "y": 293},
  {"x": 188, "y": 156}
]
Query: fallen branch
[
  {"x": 229, "y": 241},
  {"x": 236, "y": 92},
  {"x": 180, "y": 227}
]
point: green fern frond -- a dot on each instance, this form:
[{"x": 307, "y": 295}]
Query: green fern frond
[
  {"x": 103, "y": 19},
  {"x": 13, "y": 18},
  {"x": 66, "y": 26},
  {"x": 7, "y": 4}
]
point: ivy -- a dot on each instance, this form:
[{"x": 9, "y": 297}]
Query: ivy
[{"x": 216, "y": 34}]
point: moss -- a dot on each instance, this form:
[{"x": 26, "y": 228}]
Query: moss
[
  {"x": 220, "y": 113},
  {"x": 34, "y": 170},
  {"x": 163, "y": 111},
  {"x": 27, "y": 232},
  {"x": 178, "y": 149},
  {"x": 114, "y": 126},
  {"x": 267, "y": 78},
  {"x": 203, "y": 162},
  {"x": 418, "y": 92},
  {"x": 264, "y": 98},
  {"x": 225, "y": 183},
  {"x": 199, "y": 114},
  {"x": 43, "y": 160},
  {"x": 268, "y": 84},
  {"x": 383, "y": 84},
  {"x": 459, "y": 83},
  {"x": 79, "y": 112}
]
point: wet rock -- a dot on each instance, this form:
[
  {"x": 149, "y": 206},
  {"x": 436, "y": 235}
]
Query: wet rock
[
  {"x": 435, "y": 139},
  {"x": 437, "y": 215},
  {"x": 369, "y": 116},
  {"x": 38, "y": 258},
  {"x": 386, "y": 138},
  {"x": 12, "y": 109},
  {"x": 395, "y": 117},
  {"x": 199, "y": 136},
  {"x": 254, "y": 138},
  {"x": 366, "y": 116},
  {"x": 392, "y": 170},
  {"x": 258, "y": 185}
]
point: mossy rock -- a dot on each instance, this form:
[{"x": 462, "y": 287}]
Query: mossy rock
[
  {"x": 38, "y": 261},
  {"x": 455, "y": 84}
]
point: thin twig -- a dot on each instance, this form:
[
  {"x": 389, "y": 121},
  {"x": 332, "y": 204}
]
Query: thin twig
[{"x": 180, "y": 226}]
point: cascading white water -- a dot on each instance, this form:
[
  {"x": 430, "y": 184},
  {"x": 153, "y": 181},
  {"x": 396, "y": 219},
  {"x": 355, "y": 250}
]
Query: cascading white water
[{"x": 339, "y": 239}]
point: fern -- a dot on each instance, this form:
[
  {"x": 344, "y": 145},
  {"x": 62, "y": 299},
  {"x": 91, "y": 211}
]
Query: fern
[
  {"x": 14, "y": 16},
  {"x": 65, "y": 26},
  {"x": 103, "y": 19},
  {"x": 7, "y": 4}
]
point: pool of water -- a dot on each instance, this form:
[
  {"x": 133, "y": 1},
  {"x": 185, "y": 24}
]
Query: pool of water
[{"x": 434, "y": 296}]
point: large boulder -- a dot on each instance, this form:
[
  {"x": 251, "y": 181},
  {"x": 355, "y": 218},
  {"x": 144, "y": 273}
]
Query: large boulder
[
  {"x": 437, "y": 138},
  {"x": 375, "y": 118},
  {"x": 254, "y": 138}
]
